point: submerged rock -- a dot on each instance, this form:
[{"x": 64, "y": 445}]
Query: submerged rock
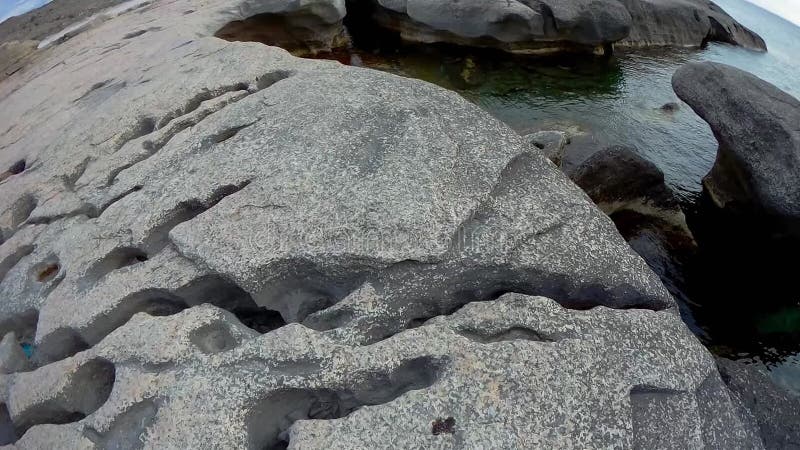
[
  {"x": 670, "y": 107},
  {"x": 758, "y": 161}
]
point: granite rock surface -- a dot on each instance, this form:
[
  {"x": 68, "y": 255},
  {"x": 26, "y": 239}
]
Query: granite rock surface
[{"x": 214, "y": 244}]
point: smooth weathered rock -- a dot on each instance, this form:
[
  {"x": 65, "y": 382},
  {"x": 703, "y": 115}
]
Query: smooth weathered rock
[
  {"x": 12, "y": 358},
  {"x": 533, "y": 26},
  {"x": 551, "y": 142},
  {"x": 235, "y": 188},
  {"x": 514, "y": 26},
  {"x": 688, "y": 23},
  {"x": 632, "y": 191},
  {"x": 776, "y": 411},
  {"x": 758, "y": 160},
  {"x": 618, "y": 179}
]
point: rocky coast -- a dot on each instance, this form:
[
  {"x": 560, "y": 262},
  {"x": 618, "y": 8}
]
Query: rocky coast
[{"x": 210, "y": 243}]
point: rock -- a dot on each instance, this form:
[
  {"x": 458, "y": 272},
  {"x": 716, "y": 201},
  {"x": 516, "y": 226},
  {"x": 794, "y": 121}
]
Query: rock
[
  {"x": 550, "y": 26},
  {"x": 618, "y": 179},
  {"x": 307, "y": 27},
  {"x": 758, "y": 161},
  {"x": 685, "y": 23},
  {"x": 14, "y": 56},
  {"x": 206, "y": 233},
  {"x": 50, "y": 18},
  {"x": 462, "y": 378},
  {"x": 632, "y": 191},
  {"x": 552, "y": 143},
  {"x": 776, "y": 411},
  {"x": 670, "y": 107},
  {"x": 12, "y": 358},
  {"x": 513, "y": 26}
]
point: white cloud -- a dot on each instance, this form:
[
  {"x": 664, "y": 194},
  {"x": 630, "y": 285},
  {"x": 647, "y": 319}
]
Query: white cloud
[
  {"x": 17, "y": 7},
  {"x": 788, "y": 9}
]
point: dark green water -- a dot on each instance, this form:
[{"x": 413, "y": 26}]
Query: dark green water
[{"x": 617, "y": 101}]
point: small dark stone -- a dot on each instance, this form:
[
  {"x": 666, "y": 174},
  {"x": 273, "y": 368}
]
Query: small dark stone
[
  {"x": 442, "y": 426},
  {"x": 670, "y": 107}
]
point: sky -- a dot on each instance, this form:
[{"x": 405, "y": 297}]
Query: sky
[
  {"x": 788, "y": 9},
  {"x": 10, "y": 8}
]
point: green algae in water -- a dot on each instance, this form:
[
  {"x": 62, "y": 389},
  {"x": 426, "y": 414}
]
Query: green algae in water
[{"x": 784, "y": 321}]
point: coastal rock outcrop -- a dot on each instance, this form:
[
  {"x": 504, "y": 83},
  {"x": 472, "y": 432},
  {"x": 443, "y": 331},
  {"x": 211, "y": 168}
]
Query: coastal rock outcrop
[
  {"x": 688, "y": 23},
  {"x": 758, "y": 161},
  {"x": 543, "y": 26},
  {"x": 209, "y": 244}
]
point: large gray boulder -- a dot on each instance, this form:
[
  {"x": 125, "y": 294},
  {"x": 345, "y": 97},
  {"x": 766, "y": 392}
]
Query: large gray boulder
[
  {"x": 517, "y": 26},
  {"x": 687, "y": 23},
  {"x": 204, "y": 236},
  {"x": 546, "y": 26},
  {"x": 758, "y": 161}
]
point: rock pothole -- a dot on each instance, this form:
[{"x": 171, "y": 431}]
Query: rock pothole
[
  {"x": 15, "y": 169},
  {"x": 127, "y": 430},
  {"x": 270, "y": 420},
  {"x": 443, "y": 426},
  {"x": 118, "y": 258},
  {"x": 46, "y": 271},
  {"x": 84, "y": 392},
  {"x": 213, "y": 338},
  {"x": 17, "y": 215},
  {"x": 218, "y": 291}
]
